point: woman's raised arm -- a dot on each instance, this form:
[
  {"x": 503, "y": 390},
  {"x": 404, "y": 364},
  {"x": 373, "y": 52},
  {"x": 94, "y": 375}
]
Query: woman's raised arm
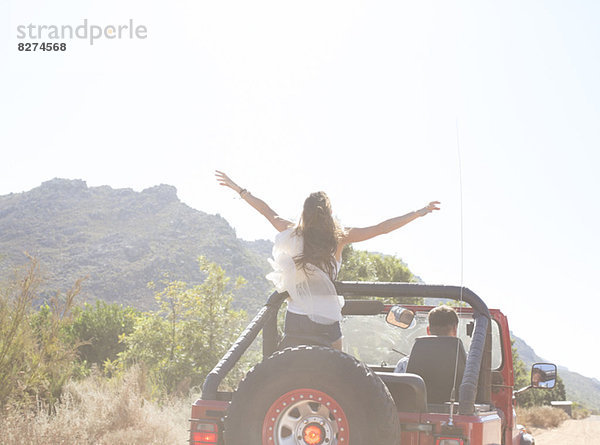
[
  {"x": 278, "y": 222},
  {"x": 356, "y": 234}
]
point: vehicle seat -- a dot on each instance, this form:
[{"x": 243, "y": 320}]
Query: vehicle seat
[
  {"x": 434, "y": 359},
  {"x": 407, "y": 390}
]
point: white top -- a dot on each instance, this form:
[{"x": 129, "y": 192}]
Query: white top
[
  {"x": 312, "y": 293},
  {"x": 402, "y": 364}
]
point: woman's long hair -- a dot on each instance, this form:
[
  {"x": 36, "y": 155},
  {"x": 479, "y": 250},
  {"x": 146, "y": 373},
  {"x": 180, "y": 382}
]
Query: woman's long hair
[{"x": 321, "y": 234}]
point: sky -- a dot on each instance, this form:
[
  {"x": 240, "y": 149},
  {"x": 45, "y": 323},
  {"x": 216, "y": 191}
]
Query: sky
[{"x": 385, "y": 105}]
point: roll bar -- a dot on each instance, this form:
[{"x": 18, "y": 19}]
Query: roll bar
[
  {"x": 480, "y": 350},
  {"x": 399, "y": 290},
  {"x": 267, "y": 312},
  {"x": 267, "y": 317}
]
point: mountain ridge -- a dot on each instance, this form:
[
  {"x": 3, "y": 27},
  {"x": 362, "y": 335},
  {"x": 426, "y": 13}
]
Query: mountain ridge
[{"x": 121, "y": 240}]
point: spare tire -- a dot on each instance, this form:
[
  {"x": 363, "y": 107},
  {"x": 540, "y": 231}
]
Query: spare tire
[{"x": 311, "y": 395}]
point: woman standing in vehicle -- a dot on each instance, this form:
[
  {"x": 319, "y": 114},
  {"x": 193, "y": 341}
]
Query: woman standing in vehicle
[{"x": 307, "y": 258}]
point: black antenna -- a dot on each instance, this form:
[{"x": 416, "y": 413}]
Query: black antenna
[{"x": 453, "y": 393}]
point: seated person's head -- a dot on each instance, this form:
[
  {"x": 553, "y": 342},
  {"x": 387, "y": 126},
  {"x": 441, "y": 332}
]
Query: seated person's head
[{"x": 443, "y": 321}]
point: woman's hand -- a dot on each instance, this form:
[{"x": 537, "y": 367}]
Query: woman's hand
[
  {"x": 226, "y": 181},
  {"x": 356, "y": 234},
  {"x": 433, "y": 205},
  {"x": 278, "y": 222}
]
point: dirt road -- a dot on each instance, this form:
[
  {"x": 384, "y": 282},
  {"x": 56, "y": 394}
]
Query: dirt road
[{"x": 571, "y": 432}]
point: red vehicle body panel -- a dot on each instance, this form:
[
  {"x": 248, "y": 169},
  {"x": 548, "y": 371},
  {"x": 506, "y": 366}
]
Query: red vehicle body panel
[
  {"x": 480, "y": 430},
  {"x": 209, "y": 409},
  {"x": 483, "y": 429}
]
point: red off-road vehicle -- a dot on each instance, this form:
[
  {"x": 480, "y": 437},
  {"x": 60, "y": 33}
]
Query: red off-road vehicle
[{"x": 306, "y": 394}]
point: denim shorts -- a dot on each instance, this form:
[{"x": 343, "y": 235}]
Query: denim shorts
[{"x": 302, "y": 326}]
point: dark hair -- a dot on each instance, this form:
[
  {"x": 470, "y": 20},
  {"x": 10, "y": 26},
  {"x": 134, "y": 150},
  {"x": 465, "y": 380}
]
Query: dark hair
[
  {"x": 442, "y": 319},
  {"x": 321, "y": 234}
]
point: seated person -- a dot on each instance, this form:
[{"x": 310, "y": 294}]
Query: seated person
[
  {"x": 443, "y": 321},
  {"x": 439, "y": 358}
]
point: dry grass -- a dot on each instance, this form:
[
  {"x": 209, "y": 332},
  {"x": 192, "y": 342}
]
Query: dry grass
[
  {"x": 101, "y": 411},
  {"x": 541, "y": 417}
]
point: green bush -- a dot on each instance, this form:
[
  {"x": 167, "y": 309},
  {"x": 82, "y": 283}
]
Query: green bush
[
  {"x": 580, "y": 411},
  {"x": 98, "y": 329},
  {"x": 35, "y": 358},
  {"x": 182, "y": 341}
]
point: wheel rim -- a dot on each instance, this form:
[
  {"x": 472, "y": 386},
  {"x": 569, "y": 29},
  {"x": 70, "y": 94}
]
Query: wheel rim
[{"x": 305, "y": 417}]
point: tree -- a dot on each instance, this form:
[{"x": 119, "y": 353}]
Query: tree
[
  {"x": 360, "y": 265},
  {"x": 97, "y": 329},
  {"x": 194, "y": 326}
]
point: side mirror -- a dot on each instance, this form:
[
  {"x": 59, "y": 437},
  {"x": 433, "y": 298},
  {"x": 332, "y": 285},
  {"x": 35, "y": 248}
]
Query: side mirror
[
  {"x": 400, "y": 317},
  {"x": 543, "y": 375}
]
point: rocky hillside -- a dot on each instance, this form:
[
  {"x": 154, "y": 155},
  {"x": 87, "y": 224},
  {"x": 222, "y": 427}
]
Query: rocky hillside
[{"x": 121, "y": 239}]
